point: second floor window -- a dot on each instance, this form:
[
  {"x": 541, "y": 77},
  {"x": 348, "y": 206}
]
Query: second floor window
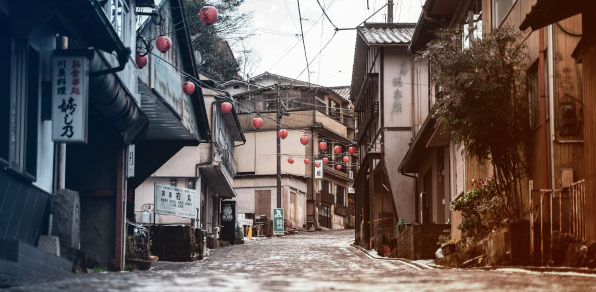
[
  {"x": 116, "y": 10},
  {"x": 500, "y": 10}
]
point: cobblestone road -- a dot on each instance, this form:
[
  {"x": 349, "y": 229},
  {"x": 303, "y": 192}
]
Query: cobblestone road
[{"x": 320, "y": 261}]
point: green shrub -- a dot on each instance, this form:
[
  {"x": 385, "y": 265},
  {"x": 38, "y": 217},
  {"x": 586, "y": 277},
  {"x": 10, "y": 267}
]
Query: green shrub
[{"x": 483, "y": 209}]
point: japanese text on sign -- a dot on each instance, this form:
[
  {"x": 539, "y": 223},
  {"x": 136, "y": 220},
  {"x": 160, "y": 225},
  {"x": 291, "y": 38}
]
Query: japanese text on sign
[
  {"x": 69, "y": 98},
  {"x": 278, "y": 221},
  {"x": 170, "y": 200},
  {"x": 318, "y": 169}
]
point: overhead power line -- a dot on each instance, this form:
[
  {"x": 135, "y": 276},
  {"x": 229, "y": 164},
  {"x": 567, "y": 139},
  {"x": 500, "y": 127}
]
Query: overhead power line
[{"x": 303, "y": 41}]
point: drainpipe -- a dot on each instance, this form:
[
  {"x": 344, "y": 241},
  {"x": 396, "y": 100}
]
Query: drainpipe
[
  {"x": 551, "y": 95},
  {"x": 543, "y": 99}
]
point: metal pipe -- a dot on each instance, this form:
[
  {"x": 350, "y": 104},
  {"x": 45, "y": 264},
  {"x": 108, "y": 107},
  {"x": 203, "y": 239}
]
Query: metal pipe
[{"x": 551, "y": 95}]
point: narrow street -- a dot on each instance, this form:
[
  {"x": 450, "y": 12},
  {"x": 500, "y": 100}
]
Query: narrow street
[{"x": 320, "y": 261}]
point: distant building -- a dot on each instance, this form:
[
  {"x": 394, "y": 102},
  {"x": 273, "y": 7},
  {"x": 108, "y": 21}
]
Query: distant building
[
  {"x": 390, "y": 96},
  {"x": 321, "y": 114}
]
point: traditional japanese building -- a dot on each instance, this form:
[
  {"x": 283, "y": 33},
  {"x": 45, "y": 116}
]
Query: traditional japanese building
[
  {"x": 318, "y": 113},
  {"x": 66, "y": 201},
  {"x": 389, "y": 92}
]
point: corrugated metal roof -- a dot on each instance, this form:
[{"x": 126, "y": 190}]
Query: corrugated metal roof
[
  {"x": 387, "y": 33},
  {"x": 343, "y": 91}
]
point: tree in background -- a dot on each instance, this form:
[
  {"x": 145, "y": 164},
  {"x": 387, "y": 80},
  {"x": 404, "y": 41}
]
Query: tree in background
[{"x": 213, "y": 41}]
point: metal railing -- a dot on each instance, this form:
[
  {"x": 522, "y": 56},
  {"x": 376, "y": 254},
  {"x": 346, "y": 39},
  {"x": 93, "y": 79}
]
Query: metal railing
[
  {"x": 561, "y": 210},
  {"x": 577, "y": 216}
]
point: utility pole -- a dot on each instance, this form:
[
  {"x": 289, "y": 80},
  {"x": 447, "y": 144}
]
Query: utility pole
[
  {"x": 278, "y": 120},
  {"x": 389, "y": 11}
]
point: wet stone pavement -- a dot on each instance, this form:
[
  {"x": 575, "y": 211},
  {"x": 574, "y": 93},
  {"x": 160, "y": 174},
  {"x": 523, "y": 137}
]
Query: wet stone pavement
[{"x": 318, "y": 261}]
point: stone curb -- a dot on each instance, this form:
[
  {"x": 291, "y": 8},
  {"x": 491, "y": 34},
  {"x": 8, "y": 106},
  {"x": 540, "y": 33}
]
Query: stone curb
[
  {"x": 542, "y": 269},
  {"x": 405, "y": 261}
]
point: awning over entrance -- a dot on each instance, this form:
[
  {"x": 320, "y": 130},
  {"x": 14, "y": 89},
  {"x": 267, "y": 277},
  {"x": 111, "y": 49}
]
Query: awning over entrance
[
  {"x": 219, "y": 180},
  {"x": 429, "y": 136},
  {"x": 164, "y": 123}
]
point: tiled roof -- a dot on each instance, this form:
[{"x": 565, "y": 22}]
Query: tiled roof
[
  {"x": 387, "y": 33},
  {"x": 343, "y": 91}
]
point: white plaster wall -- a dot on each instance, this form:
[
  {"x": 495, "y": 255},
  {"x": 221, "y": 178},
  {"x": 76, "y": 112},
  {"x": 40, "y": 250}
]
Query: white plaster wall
[
  {"x": 45, "y": 157},
  {"x": 145, "y": 194},
  {"x": 402, "y": 187},
  {"x": 182, "y": 164}
]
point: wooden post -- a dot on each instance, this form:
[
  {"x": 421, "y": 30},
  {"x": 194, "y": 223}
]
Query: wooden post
[
  {"x": 531, "y": 186},
  {"x": 119, "y": 245}
]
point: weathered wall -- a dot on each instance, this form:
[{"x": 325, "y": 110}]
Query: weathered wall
[{"x": 245, "y": 188}]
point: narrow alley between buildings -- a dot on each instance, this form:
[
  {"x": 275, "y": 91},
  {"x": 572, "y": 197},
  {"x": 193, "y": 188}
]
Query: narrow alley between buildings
[{"x": 314, "y": 261}]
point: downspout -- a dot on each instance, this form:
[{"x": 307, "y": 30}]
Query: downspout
[
  {"x": 542, "y": 90},
  {"x": 551, "y": 95}
]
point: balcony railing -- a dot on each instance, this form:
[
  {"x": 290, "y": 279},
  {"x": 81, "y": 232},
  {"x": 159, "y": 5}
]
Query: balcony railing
[
  {"x": 341, "y": 210},
  {"x": 327, "y": 198}
]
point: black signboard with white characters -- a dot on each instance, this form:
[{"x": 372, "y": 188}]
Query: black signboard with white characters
[{"x": 228, "y": 221}]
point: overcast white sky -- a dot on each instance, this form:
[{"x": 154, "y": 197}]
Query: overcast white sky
[{"x": 280, "y": 50}]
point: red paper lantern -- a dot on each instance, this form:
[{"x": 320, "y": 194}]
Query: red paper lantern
[
  {"x": 283, "y": 133},
  {"x": 188, "y": 87},
  {"x": 352, "y": 149},
  {"x": 208, "y": 15},
  {"x": 163, "y": 43},
  {"x": 358, "y": 168},
  {"x": 226, "y": 107},
  {"x": 323, "y": 146},
  {"x": 346, "y": 159},
  {"x": 257, "y": 122},
  {"x": 337, "y": 149},
  {"x": 290, "y": 160},
  {"x": 306, "y": 161},
  {"x": 304, "y": 140},
  {"x": 141, "y": 61},
  {"x": 317, "y": 164},
  {"x": 325, "y": 160},
  {"x": 338, "y": 166}
]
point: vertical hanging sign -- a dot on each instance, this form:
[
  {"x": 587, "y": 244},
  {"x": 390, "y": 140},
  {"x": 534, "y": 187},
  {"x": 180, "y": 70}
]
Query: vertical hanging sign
[
  {"x": 70, "y": 95},
  {"x": 131, "y": 161},
  {"x": 318, "y": 169}
]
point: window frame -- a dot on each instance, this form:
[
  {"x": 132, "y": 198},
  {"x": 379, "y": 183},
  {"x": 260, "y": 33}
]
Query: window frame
[
  {"x": 494, "y": 22},
  {"x": 23, "y": 137}
]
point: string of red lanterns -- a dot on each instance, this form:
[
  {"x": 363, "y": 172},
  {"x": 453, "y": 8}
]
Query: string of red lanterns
[
  {"x": 163, "y": 43},
  {"x": 208, "y": 15}
]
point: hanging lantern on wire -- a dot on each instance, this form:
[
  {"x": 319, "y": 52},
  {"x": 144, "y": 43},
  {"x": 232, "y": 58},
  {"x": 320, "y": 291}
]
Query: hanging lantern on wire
[
  {"x": 338, "y": 167},
  {"x": 358, "y": 168},
  {"x": 163, "y": 43},
  {"x": 317, "y": 164},
  {"x": 257, "y": 122},
  {"x": 346, "y": 158},
  {"x": 141, "y": 61},
  {"x": 283, "y": 133},
  {"x": 337, "y": 149},
  {"x": 325, "y": 160},
  {"x": 290, "y": 160},
  {"x": 208, "y": 15},
  {"x": 322, "y": 145},
  {"x": 226, "y": 107},
  {"x": 188, "y": 87},
  {"x": 352, "y": 149},
  {"x": 306, "y": 161},
  {"x": 304, "y": 140}
]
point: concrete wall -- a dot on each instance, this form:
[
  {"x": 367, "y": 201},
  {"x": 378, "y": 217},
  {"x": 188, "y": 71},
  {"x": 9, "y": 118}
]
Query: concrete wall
[{"x": 258, "y": 154}]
